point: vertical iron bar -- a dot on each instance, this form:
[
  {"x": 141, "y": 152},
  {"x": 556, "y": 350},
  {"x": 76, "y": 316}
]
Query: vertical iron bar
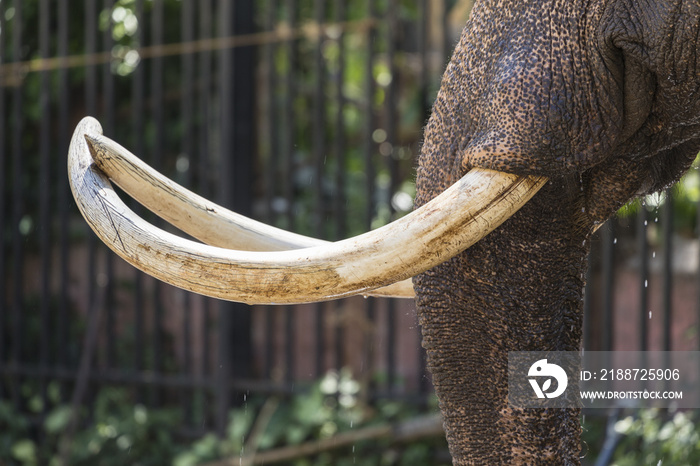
[
  {"x": 423, "y": 35},
  {"x": 137, "y": 115},
  {"x": 108, "y": 122},
  {"x": 63, "y": 195},
  {"x": 643, "y": 251},
  {"x": 289, "y": 129},
  {"x": 608, "y": 240},
  {"x": 370, "y": 171},
  {"x": 225, "y": 318},
  {"x": 94, "y": 307},
  {"x": 187, "y": 112},
  {"x": 446, "y": 39},
  {"x": 158, "y": 150},
  {"x": 45, "y": 209},
  {"x": 288, "y": 148},
  {"x": 271, "y": 168},
  {"x": 340, "y": 206},
  {"x": 241, "y": 130},
  {"x": 319, "y": 149},
  {"x": 17, "y": 207},
  {"x": 4, "y": 214},
  {"x": 667, "y": 305},
  {"x": 697, "y": 277},
  {"x": 588, "y": 320},
  {"x": 319, "y": 119},
  {"x": 390, "y": 152},
  {"x": 206, "y": 27}
]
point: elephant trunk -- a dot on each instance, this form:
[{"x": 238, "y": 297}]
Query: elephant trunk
[{"x": 519, "y": 289}]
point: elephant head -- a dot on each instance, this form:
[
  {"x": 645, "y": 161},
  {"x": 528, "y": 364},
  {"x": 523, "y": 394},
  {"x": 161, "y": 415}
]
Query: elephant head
[{"x": 589, "y": 102}]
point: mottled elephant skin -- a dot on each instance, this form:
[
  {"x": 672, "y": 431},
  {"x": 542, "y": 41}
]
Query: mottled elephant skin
[{"x": 602, "y": 97}]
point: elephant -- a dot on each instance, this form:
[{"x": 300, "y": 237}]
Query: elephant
[{"x": 550, "y": 116}]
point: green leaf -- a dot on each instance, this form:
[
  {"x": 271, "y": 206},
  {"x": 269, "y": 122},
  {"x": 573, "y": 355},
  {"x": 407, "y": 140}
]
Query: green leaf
[
  {"x": 25, "y": 451},
  {"x": 58, "y": 419}
]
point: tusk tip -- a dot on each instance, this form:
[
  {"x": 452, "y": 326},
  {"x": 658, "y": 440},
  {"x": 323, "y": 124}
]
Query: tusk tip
[{"x": 93, "y": 144}]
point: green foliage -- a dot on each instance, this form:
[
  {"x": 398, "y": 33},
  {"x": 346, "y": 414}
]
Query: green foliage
[
  {"x": 647, "y": 437},
  {"x": 124, "y": 433},
  {"x": 650, "y": 438},
  {"x": 14, "y": 429},
  {"x": 120, "y": 432},
  {"x": 331, "y": 406}
]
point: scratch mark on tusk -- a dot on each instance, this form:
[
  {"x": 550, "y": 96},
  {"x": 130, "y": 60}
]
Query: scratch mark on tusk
[{"x": 111, "y": 221}]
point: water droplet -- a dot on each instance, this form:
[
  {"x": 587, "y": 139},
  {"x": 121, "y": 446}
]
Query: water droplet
[
  {"x": 653, "y": 255},
  {"x": 646, "y": 283},
  {"x": 656, "y": 220},
  {"x": 646, "y": 223},
  {"x": 615, "y": 241},
  {"x": 649, "y": 314}
]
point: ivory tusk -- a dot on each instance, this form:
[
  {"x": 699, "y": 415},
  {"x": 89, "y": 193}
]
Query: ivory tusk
[
  {"x": 437, "y": 231},
  {"x": 208, "y": 222},
  {"x": 191, "y": 213}
]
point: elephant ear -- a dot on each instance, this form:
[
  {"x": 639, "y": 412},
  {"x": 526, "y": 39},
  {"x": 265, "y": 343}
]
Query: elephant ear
[
  {"x": 539, "y": 100},
  {"x": 525, "y": 122}
]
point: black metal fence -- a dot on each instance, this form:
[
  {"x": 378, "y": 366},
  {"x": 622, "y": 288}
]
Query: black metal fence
[{"x": 304, "y": 114}]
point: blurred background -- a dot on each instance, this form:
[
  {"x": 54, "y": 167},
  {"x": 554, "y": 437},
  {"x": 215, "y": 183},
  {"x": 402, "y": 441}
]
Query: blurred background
[{"x": 305, "y": 114}]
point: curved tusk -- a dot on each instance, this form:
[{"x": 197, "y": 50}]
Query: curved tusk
[
  {"x": 208, "y": 222},
  {"x": 437, "y": 231},
  {"x": 191, "y": 213}
]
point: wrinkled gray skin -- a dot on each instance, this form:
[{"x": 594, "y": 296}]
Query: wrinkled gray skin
[{"x": 602, "y": 97}]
